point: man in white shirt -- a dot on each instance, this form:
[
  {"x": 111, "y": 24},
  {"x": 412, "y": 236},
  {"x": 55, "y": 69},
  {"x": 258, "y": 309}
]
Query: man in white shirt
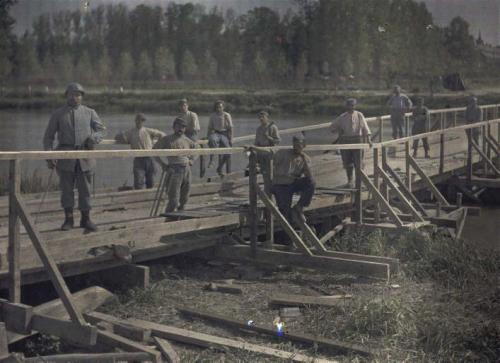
[
  {"x": 352, "y": 129},
  {"x": 398, "y": 104},
  {"x": 191, "y": 118}
]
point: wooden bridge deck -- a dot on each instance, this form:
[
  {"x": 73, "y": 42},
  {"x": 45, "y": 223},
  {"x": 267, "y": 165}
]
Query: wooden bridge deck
[{"x": 214, "y": 210}]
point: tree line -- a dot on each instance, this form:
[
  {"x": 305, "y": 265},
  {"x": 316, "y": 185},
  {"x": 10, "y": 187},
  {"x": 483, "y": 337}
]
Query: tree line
[{"x": 338, "y": 41}]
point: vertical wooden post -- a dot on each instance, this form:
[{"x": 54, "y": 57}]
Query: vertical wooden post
[
  {"x": 407, "y": 123},
  {"x": 454, "y": 118},
  {"x": 202, "y": 164},
  {"x": 381, "y": 129},
  {"x": 14, "y": 248},
  {"x": 485, "y": 164},
  {"x": 269, "y": 215},
  {"x": 376, "y": 180},
  {"x": 407, "y": 168},
  {"x": 384, "y": 189},
  {"x": 438, "y": 208},
  {"x": 469, "y": 156},
  {"x": 459, "y": 200},
  {"x": 252, "y": 198},
  {"x": 228, "y": 163},
  {"x": 441, "y": 153},
  {"x": 358, "y": 202}
]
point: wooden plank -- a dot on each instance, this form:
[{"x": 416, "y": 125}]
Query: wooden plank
[
  {"x": 130, "y": 275},
  {"x": 461, "y": 224},
  {"x": 324, "y": 263},
  {"x": 384, "y": 203},
  {"x": 133, "y": 333},
  {"x": 252, "y": 199},
  {"x": 67, "y": 330},
  {"x": 205, "y": 340},
  {"x": 332, "y": 233},
  {"x": 166, "y": 349},
  {"x": 309, "y": 234},
  {"x": 225, "y": 288},
  {"x": 358, "y": 195},
  {"x": 90, "y": 358},
  {"x": 400, "y": 195},
  {"x": 277, "y": 299},
  {"x": 14, "y": 247},
  {"x": 115, "y": 341},
  {"x": 85, "y": 300},
  {"x": 472, "y": 211},
  {"x": 17, "y": 317},
  {"x": 437, "y": 194},
  {"x": 49, "y": 263},
  {"x": 283, "y": 222},
  {"x": 481, "y": 182},
  {"x": 320, "y": 342}
]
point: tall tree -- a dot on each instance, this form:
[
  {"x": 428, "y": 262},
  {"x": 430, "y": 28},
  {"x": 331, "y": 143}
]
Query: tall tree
[{"x": 7, "y": 39}]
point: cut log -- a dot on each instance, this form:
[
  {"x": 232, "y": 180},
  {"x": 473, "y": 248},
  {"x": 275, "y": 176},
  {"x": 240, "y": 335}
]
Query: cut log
[
  {"x": 205, "y": 340},
  {"x": 132, "y": 332},
  {"x": 167, "y": 350},
  {"x": 115, "y": 341},
  {"x": 17, "y": 317},
  {"x": 4, "y": 348},
  {"x": 304, "y": 300},
  {"x": 230, "y": 289},
  {"x": 78, "y": 334}
]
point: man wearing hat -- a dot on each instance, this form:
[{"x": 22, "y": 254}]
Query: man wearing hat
[
  {"x": 78, "y": 128},
  {"x": 398, "y": 104},
  {"x": 191, "y": 118},
  {"x": 292, "y": 175},
  {"x": 352, "y": 129},
  {"x": 473, "y": 114},
  {"x": 267, "y": 134},
  {"x": 178, "y": 168},
  {"x": 141, "y": 138}
]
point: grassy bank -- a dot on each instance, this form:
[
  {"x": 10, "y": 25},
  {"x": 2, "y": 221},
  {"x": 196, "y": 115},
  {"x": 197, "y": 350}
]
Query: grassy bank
[{"x": 237, "y": 101}]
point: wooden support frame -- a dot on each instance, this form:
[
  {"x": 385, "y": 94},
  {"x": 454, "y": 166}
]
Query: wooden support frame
[
  {"x": 437, "y": 194},
  {"x": 14, "y": 247},
  {"x": 383, "y": 202},
  {"x": 283, "y": 222},
  {"x": 49, "y": 263},
  {"x": 268, "y": 214},
  {"x": 485, "y": 158},
  {"x": 253, "y": 212},
  {"x": 309, "y": 234}
]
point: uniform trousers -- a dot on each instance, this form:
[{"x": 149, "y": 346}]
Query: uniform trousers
[
  {"x": 67, "y": 181},
  {"x": 179, "y": 186},
  {"x": 144, "y": 171},
  {"x": 284, "y": 194},
  {"x": 397, "y": 121}
]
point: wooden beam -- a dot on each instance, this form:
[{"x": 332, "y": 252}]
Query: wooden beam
[
  {"x": 277, "y": 299},
  {"x": 166, "y": 349},
  {"x": 472, "y": 211},
  {"x": 207, "y": 341},
  {"x": 322, "y": 343},
  {"x": 130, "y": 275},
  {"x": 485, "y": 158},
  {"x": 437, "y": 194},
  {"x": 253, "y": 213},
  {"x": 115, "y": 341},
  {"x": 133, "y": 333},
  {"x": 461, "y": 224},
  {"x": 17, "y": 317},
  {"x": 4, "y": 346},
  {"x": 309, "y": 234},
  {"x": 400, "y": 194},
  {"x": 50, "y": 265},
  {"x": 330, "y": 264},
  {"x": 332, "y": 233},
  {"x": 85, "y": 300},
  {"x": 14, "y": 247},
  {"x": 225, "y": 288},
  {"x": 90, "y": 358},
  {"x": 481, "y": 182},
  {"x": 283, "y": 222},
  {"x": 67, "y": 330},
  {"x": 384, "y": 203}
]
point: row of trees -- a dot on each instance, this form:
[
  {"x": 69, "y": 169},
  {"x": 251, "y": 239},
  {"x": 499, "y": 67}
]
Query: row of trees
[{"x": 328, "y": 39}]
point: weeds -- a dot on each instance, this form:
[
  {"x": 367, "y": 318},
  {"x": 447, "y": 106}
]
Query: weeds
[{"x": 30, "y": 183}]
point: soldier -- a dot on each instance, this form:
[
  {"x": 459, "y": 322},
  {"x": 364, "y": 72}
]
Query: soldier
[
  {"x": 473, "y": 114},
  {"x": 352, "y": 129},
  {"x": 191, "y": 118},
  {"x": 420, "y": 117},
  {"x": 78, "y": 128},
  {"x": 178, "y": 169},
  {"x": 292, "y": 174},
  {"x": 398, "y": 104},
  {"x": 220, "y": 133},
  {"x": 141, "y": 138},
  {"x": 267, "y": 134}
]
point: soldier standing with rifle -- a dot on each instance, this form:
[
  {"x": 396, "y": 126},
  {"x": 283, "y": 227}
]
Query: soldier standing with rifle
[{"x": 78, "y": 127}]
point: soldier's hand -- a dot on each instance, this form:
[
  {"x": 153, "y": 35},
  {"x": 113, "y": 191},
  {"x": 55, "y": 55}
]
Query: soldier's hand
[
  {"x": 51, "y": 164},
  {"x": 89, "y": 143}
]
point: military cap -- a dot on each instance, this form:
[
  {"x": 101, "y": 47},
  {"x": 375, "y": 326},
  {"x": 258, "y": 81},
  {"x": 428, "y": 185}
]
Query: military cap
[
  {"x": 183, "y": 101},
  {"x": 180, "y": 121},
  {"x": 140, "y": 116},
  {"x": 264, "y": 113},
  {"x": 299, "y": 138},
  {"x": 351, "y": 101},
  {"x": 74, "y": 87}
]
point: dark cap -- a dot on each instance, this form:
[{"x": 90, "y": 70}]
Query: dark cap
[
  {"x": 180, "y": 121},
  {"x": 351, "y": 101},
  {"x": 74, "y": 87},
  {"x": 140, "y": 116},
  {"x": 183, "y": 101},
  {"x": 264, "y": 113},
  {"x": 299, "y": 138}
]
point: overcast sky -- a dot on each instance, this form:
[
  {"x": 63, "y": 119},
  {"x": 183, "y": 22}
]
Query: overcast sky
[{"x": 483, "y": 15}]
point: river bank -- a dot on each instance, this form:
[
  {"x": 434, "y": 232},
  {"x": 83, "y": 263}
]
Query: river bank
[{"x": 298, "y": 102}]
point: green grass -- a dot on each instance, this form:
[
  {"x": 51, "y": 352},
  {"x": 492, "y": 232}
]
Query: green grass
[{"x": 32, "y": 182}]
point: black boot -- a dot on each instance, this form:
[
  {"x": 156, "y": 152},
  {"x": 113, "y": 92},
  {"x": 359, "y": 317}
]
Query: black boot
[
  {"x": 68, "y": 220},
  {"x": 86, "y": 223}
]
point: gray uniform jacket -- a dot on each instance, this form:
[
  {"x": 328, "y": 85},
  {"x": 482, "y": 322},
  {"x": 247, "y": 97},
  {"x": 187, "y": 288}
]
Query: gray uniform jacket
[{"x": 73, "y": 126}]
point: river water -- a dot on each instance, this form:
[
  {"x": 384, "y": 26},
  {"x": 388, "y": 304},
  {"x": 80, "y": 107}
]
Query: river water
[{"x": 24, "y": 130}]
